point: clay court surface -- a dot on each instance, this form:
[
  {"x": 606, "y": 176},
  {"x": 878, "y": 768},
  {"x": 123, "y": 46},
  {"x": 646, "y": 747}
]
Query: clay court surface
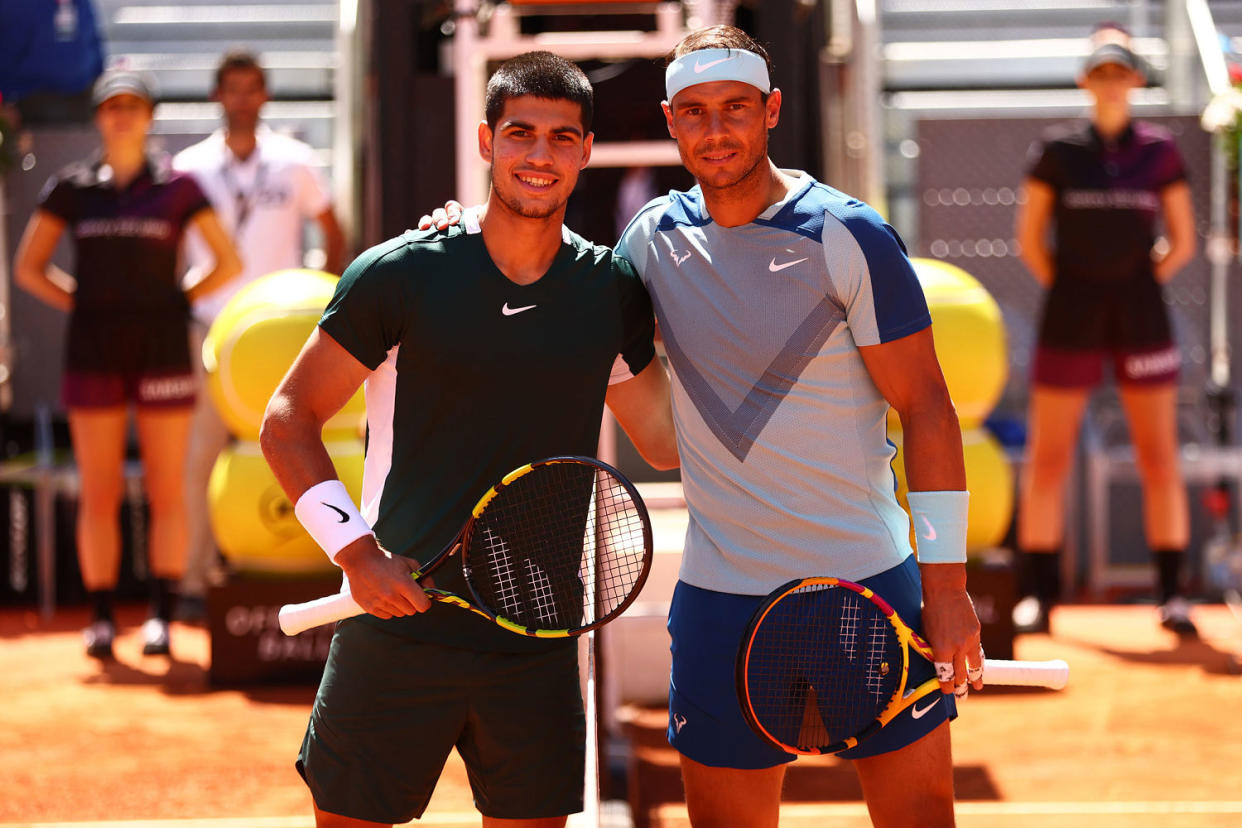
[{"x": 1147, "y": 734}]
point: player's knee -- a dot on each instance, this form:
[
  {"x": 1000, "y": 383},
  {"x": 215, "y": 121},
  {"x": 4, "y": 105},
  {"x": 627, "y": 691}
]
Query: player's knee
[
  {"x": 1048, "y": 467},
  {"x": 933, "y": 804},
  {"x": 97, "y": 501},
  {"x": 731, "y": 796},
  {"x": 1159, "y": 468},
  {"x": 167, "y": 499}
]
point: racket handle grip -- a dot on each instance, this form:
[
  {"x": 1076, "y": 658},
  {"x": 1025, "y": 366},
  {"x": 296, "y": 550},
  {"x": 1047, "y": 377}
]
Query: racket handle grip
[
  {"x": 1051, "y": 674},
  {"x": 296, "y": 618}
]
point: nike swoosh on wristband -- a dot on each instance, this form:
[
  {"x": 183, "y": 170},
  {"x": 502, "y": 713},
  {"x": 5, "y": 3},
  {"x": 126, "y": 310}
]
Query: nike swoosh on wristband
[
  {"x": 508, "y": 311},
  {"x": 917, "y": 713},
  {"x": 776, "y": 268},
  {"x": 703, "y": 67},
  {"x": 930, "y": 534},
  {"x": 341, "y": 512}
]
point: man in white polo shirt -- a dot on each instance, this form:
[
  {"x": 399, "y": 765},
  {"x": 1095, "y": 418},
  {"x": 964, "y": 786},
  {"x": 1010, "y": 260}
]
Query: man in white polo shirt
[{"x": 264, "y": 187}]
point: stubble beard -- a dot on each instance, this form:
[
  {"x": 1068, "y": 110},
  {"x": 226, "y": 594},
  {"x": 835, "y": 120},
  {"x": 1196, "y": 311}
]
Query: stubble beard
[
  {"x": 721, "y": 188},
  {"x": 516, "y": 207}
]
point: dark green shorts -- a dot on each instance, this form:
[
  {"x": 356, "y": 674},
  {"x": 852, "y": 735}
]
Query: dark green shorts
[{"x": 390, "y": 709}]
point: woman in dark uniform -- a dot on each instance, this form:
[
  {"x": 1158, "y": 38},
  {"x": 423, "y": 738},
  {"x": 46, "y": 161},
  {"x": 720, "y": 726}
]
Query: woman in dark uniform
[
  {"x": 127, "y": 341},
  {"x": 1101, "y": 186}
]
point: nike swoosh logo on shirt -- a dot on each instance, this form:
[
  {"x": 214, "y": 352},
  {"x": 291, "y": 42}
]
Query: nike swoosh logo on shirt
[
  {"x": 703, "y": 67},
  {"x": 508, "y": 311},
  {"x": 776, "y": 268},
  {"x": 917, "y": 712}
]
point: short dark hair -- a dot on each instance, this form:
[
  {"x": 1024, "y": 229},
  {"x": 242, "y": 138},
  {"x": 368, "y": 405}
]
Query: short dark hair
[
  {"x": 719, "y": 37},
  {"x": 239, "y": 60},
  {"x": 543, "y": 75}
]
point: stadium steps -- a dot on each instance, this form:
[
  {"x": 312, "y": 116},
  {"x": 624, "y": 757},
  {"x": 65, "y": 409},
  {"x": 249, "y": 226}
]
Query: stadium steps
[
  {"x": 179, "y": 43},
  {"x": 984, "y": 58},
  {"x": 989, "y": 44},
  {"x": 1029, "y": 51}
]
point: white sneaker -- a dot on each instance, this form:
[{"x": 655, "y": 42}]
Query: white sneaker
[
  {"x": 98, "y": 638},
  {"x": 155, "y": 637},
  {"x": 1175, "y": 616}
]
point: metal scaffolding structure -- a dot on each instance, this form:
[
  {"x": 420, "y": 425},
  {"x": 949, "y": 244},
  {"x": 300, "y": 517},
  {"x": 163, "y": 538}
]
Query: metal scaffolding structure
[{"x": 487, "y": 32}]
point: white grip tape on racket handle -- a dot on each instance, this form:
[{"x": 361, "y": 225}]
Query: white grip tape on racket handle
[
  {"x": 1051, "y": 674},
  {"x": 296, "y": 618}
]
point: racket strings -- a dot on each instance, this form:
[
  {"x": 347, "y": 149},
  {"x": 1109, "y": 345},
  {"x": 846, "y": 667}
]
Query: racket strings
[
  {"x": 615, "y": 545},
  {"x": 543, "y": 594},
  {"x": 877, "y": 668},
  {"x": 821, "y": 666},
  {"x": 561, "y": 547},
  {"x": 503, "y": 578}
]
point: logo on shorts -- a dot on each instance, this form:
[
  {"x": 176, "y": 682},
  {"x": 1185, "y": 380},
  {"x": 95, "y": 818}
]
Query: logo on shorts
[
  {"x": 917, "y": 712},
  {"x": 679, "y": 721},
  {"x": 1138, "y": 366},
  {"x": 158, "y": 389},
  {"x": 680, "y": 256}
]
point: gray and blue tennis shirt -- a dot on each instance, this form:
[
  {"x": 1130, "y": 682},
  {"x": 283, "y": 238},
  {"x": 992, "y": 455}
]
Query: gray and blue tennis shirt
[{"x": 784, "y": 449}]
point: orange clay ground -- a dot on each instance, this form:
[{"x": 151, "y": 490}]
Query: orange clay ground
[{"x": 1147, "y": 734}]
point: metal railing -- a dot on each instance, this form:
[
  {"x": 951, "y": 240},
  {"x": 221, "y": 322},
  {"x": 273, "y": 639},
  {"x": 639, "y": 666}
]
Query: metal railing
[
  {"x": 850, "y": 75},
  {"x": 1219, "y": 249}
]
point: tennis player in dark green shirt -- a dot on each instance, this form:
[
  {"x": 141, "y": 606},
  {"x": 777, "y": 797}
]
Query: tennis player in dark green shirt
[{"x": 483, "y": 347}]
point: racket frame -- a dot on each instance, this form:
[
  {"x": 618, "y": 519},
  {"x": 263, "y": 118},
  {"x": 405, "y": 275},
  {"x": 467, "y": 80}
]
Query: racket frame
[
  {"x": 1051, "y": 674},
  {"x": 895, "y": 705},
  {"x": 479, "y": 607}
]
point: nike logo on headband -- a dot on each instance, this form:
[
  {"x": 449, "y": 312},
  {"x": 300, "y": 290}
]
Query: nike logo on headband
[{"x": 703, "y": 67}]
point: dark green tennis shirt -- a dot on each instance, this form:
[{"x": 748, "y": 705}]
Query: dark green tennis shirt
[{"x": 473, "y": 376}]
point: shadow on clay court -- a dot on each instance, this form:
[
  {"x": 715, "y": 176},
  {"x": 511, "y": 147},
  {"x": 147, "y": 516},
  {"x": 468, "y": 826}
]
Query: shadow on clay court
[
  {"x": 186, "y": 678},
  {"x": 1187, "y": 652},
  {"x": 170, "y": 675}
]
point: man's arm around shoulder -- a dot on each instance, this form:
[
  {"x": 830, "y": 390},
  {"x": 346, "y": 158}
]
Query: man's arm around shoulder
[{"x": 642, "y": 407}]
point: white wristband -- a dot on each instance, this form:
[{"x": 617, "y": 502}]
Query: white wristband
[
  {"x": 940, "y": 525},
  {"x": 330, "y": 516}
]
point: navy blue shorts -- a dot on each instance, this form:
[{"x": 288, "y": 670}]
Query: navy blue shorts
[{"x": 705, "y": 721}]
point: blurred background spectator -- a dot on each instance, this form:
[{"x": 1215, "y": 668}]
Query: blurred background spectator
[{"x": 50, "y": 54}]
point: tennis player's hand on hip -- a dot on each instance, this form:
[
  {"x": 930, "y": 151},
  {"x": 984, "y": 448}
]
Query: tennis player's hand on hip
[
  {"x": 951, "y": 627},
  {"x": 381, "y": 582}
]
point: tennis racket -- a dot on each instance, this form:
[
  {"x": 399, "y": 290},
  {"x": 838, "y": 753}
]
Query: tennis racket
[
  {"x": 558, "y": 547},
  {"x": 825, "y": 662}
]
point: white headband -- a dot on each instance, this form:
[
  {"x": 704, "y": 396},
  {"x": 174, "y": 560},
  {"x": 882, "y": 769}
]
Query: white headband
[{"x": 707, "y": 65}]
